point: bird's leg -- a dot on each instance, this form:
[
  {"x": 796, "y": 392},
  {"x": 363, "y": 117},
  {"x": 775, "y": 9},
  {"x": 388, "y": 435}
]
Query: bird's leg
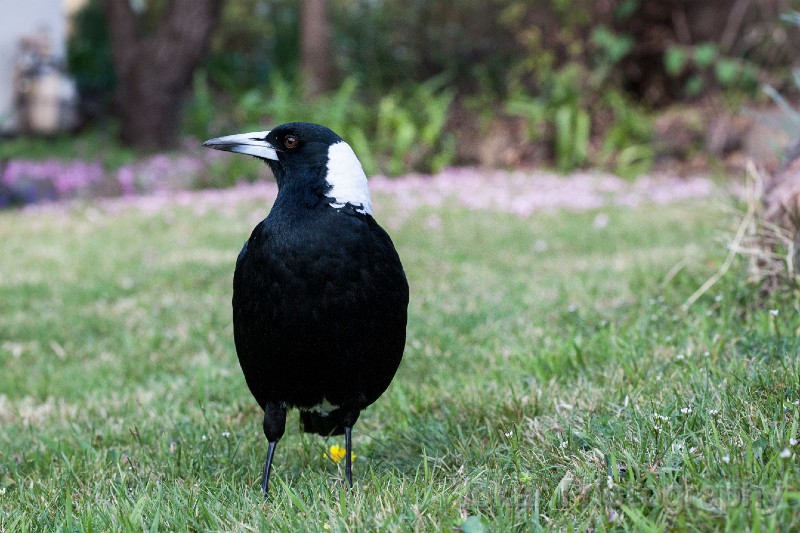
[
  {"x": 267, "y": 467},
  {"x": 274, "y": 426},
  {"x": 349, "y": 417},
  {"x": 348, "y": 458}
]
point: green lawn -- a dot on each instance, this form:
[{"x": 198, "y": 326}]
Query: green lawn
[{"x": 551, "y": 380}]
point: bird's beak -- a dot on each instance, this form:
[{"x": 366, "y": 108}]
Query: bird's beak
[{"x": 253, "y": 143}]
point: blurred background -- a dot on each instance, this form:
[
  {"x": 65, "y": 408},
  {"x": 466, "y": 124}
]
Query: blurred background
[{"x": 109, "y": 97}]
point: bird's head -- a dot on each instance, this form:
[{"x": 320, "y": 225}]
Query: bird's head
[{"x": 302, "y": 151}]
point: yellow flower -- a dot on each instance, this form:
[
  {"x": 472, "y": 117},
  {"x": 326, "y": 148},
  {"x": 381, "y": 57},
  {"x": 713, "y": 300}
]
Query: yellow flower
[{"x": 336, "y": 453}]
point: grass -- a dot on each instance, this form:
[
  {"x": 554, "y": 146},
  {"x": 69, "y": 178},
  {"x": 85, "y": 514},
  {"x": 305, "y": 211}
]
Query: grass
[{"x": 551, "y": 380}]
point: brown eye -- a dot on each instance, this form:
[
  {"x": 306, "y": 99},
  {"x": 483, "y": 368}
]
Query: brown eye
[{"x": 290, "y": 141}]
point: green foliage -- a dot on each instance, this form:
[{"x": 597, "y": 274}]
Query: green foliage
[
  {"x": 627, "y": 147},
  {"x": 401, "y": 131},
  {"x": 625, "y": 9},
  {"x": 255, "y": 40},
  {"x": 572, "y": 137},
  {"x": 495, "y": 47},
  {"x": 559, "y": 108},
  {"x": 568, "y": 104},
  {"x": 581, "y": 398},
  {"x": 675, "y": 59},
  {"x": 411, "y": 128},
  {"x": 612, "y": 47},
  {"x": 565, "y": 66},
  {"x": 573, "y": 102},
  {"x": 389, "y": 43},
  {"x": 704, "y": 64}
]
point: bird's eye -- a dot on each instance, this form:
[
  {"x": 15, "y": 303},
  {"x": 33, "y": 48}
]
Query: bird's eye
[{"x": 290, "y": 141}]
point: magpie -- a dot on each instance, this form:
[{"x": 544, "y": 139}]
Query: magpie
[{"x": 320, "y": 297}]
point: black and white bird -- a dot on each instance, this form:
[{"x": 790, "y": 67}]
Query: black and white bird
[{"x": 320, "y": 297}]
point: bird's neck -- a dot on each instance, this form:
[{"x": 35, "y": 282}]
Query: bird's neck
[{"x": 305, "y": 188}]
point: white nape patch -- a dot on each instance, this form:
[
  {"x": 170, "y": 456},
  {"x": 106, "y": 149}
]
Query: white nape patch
[
  {"x": 347, "y": 179},
  {"x": 323, "y": 408}
]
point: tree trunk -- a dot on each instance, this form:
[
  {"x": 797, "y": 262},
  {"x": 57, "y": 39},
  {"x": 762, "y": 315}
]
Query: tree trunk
[
  {"x": 154, "y": 72},
  {"x": 316, "y": 64}
]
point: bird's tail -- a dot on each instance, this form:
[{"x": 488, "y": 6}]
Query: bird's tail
[{"x": 313, "y": 422}]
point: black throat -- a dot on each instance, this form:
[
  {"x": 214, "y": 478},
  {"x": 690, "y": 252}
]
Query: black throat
[{"x": 301, "y": 186}]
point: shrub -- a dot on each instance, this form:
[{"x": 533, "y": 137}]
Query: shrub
[{"x": 401, "y": 131}]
